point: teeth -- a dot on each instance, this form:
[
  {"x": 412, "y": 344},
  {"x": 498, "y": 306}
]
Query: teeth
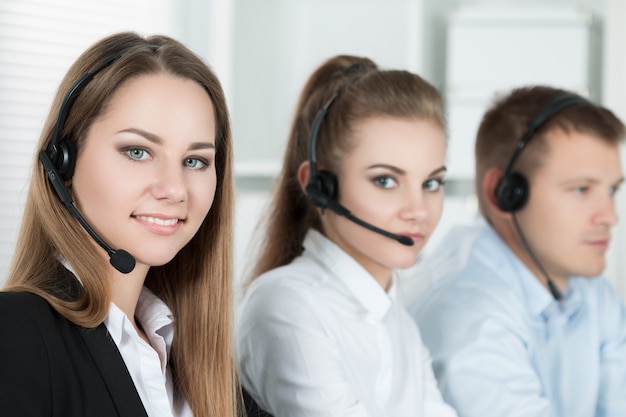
[{"x": 160, "y": 222}]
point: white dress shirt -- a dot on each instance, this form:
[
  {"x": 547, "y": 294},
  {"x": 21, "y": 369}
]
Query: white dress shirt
[
  {"x": 147, "y": 364},
  {"x": 321, "y": 337},
  {"x": 502, "y": 346}
]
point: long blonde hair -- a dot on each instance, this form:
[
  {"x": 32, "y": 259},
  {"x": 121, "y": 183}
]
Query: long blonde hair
[{"x": 196, "y": 284}]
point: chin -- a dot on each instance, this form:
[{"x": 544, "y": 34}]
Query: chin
[
  {"x": 156, "y": 260},
  {"x": 590, "y": 270},
  {"x": 404, "y": 263},
  {"x": 593, "y": 273}
]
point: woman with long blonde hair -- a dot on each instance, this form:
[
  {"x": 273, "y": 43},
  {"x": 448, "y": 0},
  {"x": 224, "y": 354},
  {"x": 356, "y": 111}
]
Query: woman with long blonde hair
[{"x": 118, "y": 301}]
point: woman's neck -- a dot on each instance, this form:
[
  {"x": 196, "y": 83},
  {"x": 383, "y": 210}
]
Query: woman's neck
[{"x": 125, "y": 290}]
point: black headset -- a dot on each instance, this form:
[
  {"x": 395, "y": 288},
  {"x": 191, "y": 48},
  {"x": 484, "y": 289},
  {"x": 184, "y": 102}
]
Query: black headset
[
  {"x": 59, "y": 160},
  {"x": 62, "y": 151},
  {"x": 321, "y": 189},
  {"x": 322, "y": 186},
  {"x": 513, "y": 189}
]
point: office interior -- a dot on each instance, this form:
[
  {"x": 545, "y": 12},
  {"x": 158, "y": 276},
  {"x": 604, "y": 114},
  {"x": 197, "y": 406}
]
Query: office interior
[{"x": 263, "y": 51}]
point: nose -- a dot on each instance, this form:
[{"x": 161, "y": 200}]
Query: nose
[
  {"x": 607, "y": 214},
  {"x": 169, "y": 182}
]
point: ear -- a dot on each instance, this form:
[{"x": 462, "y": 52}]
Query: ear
[
  {"x": 303, "y": 175},
  {"x": 490, "y": 183}
]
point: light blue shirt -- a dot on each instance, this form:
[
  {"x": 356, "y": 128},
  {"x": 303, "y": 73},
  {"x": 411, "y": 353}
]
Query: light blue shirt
[{"x": 502, "y": 346}]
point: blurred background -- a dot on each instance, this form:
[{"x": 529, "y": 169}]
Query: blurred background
[{"x": 263, "y": 51}]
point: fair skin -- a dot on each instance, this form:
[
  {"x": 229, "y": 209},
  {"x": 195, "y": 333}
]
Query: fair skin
[
  {"x": 392, "y": 178},
  {"x": 571, "y": 209},
  {"x": 145, "y": 178}
]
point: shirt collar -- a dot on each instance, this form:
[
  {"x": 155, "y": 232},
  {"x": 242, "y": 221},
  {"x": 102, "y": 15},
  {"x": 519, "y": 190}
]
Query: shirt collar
[
  {"x": 155, "y": 316},
  {"x": 346, "y": 270},
  {"x": 539, "y": 300},
  {"x": 571, "y": 302},
  {"x": 151, "y": 312},
  {"x": 114, "y": 323}
]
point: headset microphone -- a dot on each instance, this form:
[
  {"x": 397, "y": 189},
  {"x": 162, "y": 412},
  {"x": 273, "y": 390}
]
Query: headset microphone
[
  {"x": 321, "y": 189},
  {"x": 59, "y": 159},
  {"x": 323, "y": 200},
  {"x": 120, "y": 259}
]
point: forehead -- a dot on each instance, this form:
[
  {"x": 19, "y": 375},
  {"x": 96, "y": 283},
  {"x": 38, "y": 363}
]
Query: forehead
[
  {"x": 578, "y": 154},
  {"x": 161, "y": 98},
  {"x": 158, "y": 85},
  {"x": 401, "y": 140}
]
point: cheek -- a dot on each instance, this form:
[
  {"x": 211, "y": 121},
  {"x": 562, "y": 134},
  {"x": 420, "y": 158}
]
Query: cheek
[
  {"x": 548, "y": 213},
  {"x": 94, "y": 186},
  {"x": 376, "y": 208},
  {"x": 435, "y": 206},
  {"x": 203, "y": 194},
  {"x": 547, "y": 230},
  {"x": 353, "y": 196}
]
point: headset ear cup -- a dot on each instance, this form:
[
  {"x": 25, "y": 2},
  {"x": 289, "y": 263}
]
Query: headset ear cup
[
  {"x": 64, "y": 159},
  {"x": 321, "y": 188},
  {"x": 512, "y": 192},
  {"x": 328, "y": 183}
]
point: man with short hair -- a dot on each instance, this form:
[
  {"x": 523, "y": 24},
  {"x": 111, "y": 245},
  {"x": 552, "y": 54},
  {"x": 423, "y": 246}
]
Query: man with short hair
[{"x": 518, "y": 322}]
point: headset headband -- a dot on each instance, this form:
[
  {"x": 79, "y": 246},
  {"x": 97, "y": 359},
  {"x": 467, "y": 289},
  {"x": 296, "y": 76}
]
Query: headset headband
[
  {"x": 78, "y": 86},
  {"x": 554, "y": 107}
]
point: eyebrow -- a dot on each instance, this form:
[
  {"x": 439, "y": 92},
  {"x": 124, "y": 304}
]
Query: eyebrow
[
  {"x": 158, "y": 141},
  {"x": 402, "y": 172},
  {"x": 589, "y": 180}
]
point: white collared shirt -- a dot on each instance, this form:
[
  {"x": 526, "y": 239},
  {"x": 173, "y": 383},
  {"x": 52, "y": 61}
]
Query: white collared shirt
[
  {"x": 321, "y": 337},
  {"x": 147, "y": 364}
]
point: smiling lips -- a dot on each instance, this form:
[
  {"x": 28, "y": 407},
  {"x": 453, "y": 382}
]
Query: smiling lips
[
  {"x": 157, "y": 221},
  {"x": 160, "y": 226}
]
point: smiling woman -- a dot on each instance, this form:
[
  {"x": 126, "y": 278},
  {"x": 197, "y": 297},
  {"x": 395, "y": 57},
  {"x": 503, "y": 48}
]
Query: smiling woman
[
  {"x": 136, "y": 160},
  {"x": 143, "y": 137}
]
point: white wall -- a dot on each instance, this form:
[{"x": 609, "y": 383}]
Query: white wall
[
  {"x": 278, "y": 43},
  {"x": 614, "y": 96}
]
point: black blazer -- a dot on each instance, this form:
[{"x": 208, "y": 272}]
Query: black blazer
[
  {"x": 252, "y": 409},
  {"x": 54, "y": 368}
]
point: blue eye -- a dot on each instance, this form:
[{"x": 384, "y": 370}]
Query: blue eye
[
  {"x": 196, "y": 163},
  {"x": 137, "y": 154},
  {"x": 433, "y": 184},
  {"x": 385, "y": 181}
]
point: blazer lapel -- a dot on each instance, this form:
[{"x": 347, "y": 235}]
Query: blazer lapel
[{"x": 113, "y": 370}]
